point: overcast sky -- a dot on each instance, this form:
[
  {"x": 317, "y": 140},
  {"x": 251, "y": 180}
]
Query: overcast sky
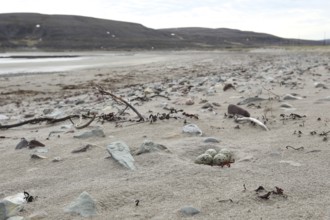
[{"x": 304, "y": 19}]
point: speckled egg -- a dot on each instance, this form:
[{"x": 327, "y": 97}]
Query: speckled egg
[
  {"x": 211, "y": 152},
  {"x": 220, "y": 159},
  {"x": 204, "y": 159},
  {"x": 227, "y": 152}
]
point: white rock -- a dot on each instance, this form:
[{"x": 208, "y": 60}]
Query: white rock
[
  {"x": 121, "y": 153},
  {"x": 192, "y": 129}
]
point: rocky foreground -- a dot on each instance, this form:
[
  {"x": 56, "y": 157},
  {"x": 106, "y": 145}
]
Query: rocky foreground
[{"x": 211, "y": 135}]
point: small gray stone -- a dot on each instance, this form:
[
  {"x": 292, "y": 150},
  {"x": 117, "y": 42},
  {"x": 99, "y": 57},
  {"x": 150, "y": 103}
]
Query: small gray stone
[
  {"x": 320, "y": 85},
  {"x": 84, "y": 205},
  {"x": 211, "y": 140},
  {"x": 98, "y": 132},
  {"x": 149, "y": 146},
  {"x": 189, "y": 211},
  {"x": 121, "y": 153},
  {"x": 207, "y": 105},
  {"x": 22, "y": 144},
  {"x": 192, "y": 129},
  {"x": 16, "y": 218},
  {"x": 291, "y": 97},
  {"x": 250, "y": 100},
  {"x": 286, "y": 105}
]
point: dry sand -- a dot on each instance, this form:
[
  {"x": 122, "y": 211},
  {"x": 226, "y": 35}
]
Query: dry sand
[{"x": 164, "y": 182}]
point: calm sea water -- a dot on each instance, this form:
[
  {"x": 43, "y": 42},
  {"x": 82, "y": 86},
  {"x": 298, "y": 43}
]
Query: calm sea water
[{"x": 18, "y": 63}]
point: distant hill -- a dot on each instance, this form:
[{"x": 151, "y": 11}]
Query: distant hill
[{"x": 67, "y": 32}]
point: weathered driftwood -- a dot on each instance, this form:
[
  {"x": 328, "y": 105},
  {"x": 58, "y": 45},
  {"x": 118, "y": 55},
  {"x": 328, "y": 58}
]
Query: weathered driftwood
[
  {"x": 119, "y": 99},
  {"x": 38, "y": 120}
]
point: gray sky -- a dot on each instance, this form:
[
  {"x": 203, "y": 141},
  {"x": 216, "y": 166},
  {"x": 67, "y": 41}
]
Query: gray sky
[{"x": 304, "y": 19}]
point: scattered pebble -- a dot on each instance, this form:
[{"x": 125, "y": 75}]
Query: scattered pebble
[
  {"x": 189, "y": 211},
  {"x": 236, "y": 110},
  {"x": 98, "y": 132},
  {"x": 211, "y": 140}
]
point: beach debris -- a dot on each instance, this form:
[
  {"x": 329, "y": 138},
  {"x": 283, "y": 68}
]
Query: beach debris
[
  {"x": 97, "y": 132},
  {"x": 254, "y": 120},
  {"x": 211, "y": 140},
  {"x": 250, "y": 100},
  {"x": 189, "y": 211},
  {"x": 236, "y": 110},
  {"x": 28, "y": 197},
  {"x": 37, "y": 156},
  {"x": 82, "y": 149},
  {"x": 34, "y": 143},
  {"x": 148, "y": 146},
  {"x": 121, "y": 153},
  {"x": 49, "y": 120},
  {"x": 84, "y": 205},
  {"x": 22, "y": 144},
  {"x": 192, "y": 129},
  {"x": 195, "y": 116},
  {"x": 137, "y": 202},
  {"x": 11, "y": 205},
  {"x": 299, "y": 148},
  {"x": 120, "y": 100},
  {"x": 263, "y": 194},
  {"x": 84, "y": 125}
]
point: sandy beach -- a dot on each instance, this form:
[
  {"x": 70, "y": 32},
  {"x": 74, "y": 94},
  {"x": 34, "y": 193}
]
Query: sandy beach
[{"x": 286, "y": 89}]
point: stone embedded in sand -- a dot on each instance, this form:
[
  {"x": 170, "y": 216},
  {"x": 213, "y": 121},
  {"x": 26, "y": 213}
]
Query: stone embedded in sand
[
  {"x": 204, "y": 159},
  {"x": 291, "y": 97},
  {"x": 37, "y": 156},
  {"x": 320, "y": 85},
  {"x": 250, "y": 100},
  {"x": 286, "y": 105},
  {"x": 16, "y": 218},
  {"x": 22, "y": 144},
  {"x": 121, "y": 153},
  {"x": 97, "y": 132},
  {"x": 81, "y": 149},
  {"x": 189, "y": 211},
  {"x": 84, "y": 205},
  {"x": 149, "y": 146},
  {"x": 3, "y": 117},
  {"x": 235, "y": 110},
  {"x": 211, "y": 140},
  {"x": 192, "y": 129}
]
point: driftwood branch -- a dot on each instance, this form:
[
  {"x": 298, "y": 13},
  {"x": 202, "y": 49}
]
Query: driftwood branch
[
  {"x": 38, "y": 120},
  {"x": 119, "y": 99},
  {"x": 85, "y": 125}
]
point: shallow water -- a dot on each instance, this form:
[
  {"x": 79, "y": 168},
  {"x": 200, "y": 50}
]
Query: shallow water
[{"x": 31, "y": 64}]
